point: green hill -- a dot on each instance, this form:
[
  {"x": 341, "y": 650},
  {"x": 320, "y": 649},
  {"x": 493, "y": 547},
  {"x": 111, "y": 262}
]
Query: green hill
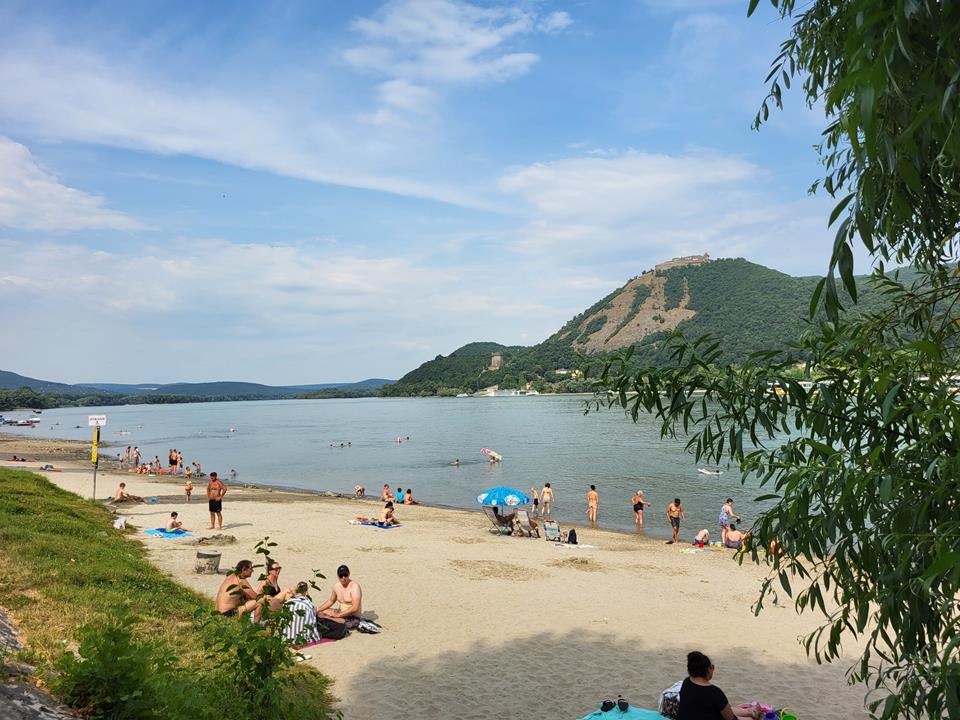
[{"x": 748, "y": 307}]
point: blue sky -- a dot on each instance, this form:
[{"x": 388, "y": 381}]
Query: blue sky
[{"x": 313, "y": 191}]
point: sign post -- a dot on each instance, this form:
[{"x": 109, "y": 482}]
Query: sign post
[{"x": 96, "y": 422}]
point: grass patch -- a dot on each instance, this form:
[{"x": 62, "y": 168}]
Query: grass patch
[{"x": 63, "y": 566}]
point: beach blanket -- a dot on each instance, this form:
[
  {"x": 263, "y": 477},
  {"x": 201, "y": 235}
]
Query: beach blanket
[
  {"x": 632, "y": 713},
  {"x": 161, "y": 532},
  {"x": 370, "y": 523}
]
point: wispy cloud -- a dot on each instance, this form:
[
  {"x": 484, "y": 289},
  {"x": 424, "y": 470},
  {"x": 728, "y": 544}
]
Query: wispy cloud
[
  {"x": 429, "y": 43},
  {"x": 64, "y": 93},
  {"x": 648, "y": 206},
  {"x": 32, "y": 198}
]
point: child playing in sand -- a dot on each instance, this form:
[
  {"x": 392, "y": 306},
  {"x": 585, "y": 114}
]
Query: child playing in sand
[{"x": 188, "y": 488}]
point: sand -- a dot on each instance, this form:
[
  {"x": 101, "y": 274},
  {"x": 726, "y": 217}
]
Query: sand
[{"x": 478, "y": 625}]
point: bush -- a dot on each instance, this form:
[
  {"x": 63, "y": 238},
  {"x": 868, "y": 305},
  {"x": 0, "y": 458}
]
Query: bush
[{"x": 114, "y": 676}]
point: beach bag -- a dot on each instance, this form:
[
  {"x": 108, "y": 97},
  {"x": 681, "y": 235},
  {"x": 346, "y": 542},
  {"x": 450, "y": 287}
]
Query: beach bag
[
  {"x": 669, "y": 705},
  {"x": 572, "y": 537},
  {"x": 368, "y": 626},
  {"x": 330, "y": 629}
]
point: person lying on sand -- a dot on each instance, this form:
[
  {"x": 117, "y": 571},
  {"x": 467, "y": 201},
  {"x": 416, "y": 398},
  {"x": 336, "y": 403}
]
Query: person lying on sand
[
  {"x": 235, "y": 596},
  {"x": 174, "y": 523},
  {"x": 121, "y": 495},
  {"x": 386, "y": 515},
  {"x": 347, "y": 596}
]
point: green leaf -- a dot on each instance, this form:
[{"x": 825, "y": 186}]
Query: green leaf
[
  {"x": 839, "y": 208},
  {"x": 752, "y": 7}
]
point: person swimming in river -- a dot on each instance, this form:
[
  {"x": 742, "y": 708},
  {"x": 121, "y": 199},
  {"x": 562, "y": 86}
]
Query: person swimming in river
[{"x": 456, "y": 462}]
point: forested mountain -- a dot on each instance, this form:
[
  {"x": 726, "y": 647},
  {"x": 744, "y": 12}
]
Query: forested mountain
[{"x": 748, "y": 307}]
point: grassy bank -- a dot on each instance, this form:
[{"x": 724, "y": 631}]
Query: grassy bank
[{"x": 62, "y": 566}]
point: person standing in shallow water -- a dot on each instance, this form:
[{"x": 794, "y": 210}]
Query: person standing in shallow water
[
  {"x": 593, "y": 504},
  {"x": 546, "y": 501},
  {"x": 638, "y": 503}
]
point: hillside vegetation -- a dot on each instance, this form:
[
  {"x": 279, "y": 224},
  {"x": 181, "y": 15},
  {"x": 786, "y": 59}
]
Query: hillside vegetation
[{"x": 747, "y": 307}]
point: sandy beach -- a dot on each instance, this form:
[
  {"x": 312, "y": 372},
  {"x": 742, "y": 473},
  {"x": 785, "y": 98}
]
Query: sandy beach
[{"x": 479, "y": 625}]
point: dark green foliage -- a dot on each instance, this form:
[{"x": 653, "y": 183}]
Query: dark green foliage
[
  {"x": 865, "y": 469},
  {"x": 675, "y": 287},
  {"x": 116, "y": 677}
]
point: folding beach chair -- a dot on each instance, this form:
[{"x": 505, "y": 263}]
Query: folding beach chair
[
  {"x": 524, "y": 524},
  {"x": 504, "y": 525},
  {"x": 551, "y": 531}
]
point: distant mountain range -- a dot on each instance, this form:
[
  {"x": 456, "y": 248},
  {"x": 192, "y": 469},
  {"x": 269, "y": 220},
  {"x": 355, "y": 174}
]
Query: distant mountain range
[
  {"x": 747, "y": 307},
  {"x": 13, "y": 381}
]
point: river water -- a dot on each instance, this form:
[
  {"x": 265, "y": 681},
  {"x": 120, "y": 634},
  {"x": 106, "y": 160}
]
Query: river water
[{"x": 297, "y": 443}]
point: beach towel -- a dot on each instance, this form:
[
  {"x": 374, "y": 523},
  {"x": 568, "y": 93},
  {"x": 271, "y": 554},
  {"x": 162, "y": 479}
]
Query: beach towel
[
  {"x": 161, "y": 532},
  {"x": 631, "y": 713},
  {"x": 370, "y": 523}
]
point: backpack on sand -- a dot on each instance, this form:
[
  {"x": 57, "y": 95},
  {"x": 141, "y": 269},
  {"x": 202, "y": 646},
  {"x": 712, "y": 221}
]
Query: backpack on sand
[
  {"x": 669, "y": 705},
  {"x": 331, "y": 629},
  {"x": 572, "y": 537}
]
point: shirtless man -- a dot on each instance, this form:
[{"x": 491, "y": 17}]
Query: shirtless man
[
  {"x": 546, "y": 500},
  {"x": 235, "y": 596},
  {"x": 674, "y": 515},
  {"x": 215, "y": 492},
  {"x": 593, "y": 504},
  {"x": 385, "y": 494},
  {"x": 348, "y": 597},
  {"x": 121, "y": 495}
]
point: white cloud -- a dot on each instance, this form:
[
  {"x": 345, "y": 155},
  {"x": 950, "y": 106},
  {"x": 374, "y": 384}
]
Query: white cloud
[
  {"x": 446, "y": 43},
  {"x": 641, "y": 208},
  {"x": 32, "y": 198},
  {"x": 63, "y": 93}
]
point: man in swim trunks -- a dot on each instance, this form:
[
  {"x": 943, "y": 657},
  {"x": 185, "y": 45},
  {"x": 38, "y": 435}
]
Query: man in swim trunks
[
  {"x": 235, "y": 596},
  {"x": 593, "y": 504},
  {"x": 174, "y": 524},
  {"x": 348, "y": 597},
  {"x": 215, "y": 492},
  {"x": 674, "y": 515},
  {"x": 546, "y": 500}
]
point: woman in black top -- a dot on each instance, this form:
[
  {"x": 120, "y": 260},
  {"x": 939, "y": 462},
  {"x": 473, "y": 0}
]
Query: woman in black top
[{"x": 699, "y": 700}]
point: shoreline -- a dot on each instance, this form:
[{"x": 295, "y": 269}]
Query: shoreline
[{"x": 552, "y": 628}]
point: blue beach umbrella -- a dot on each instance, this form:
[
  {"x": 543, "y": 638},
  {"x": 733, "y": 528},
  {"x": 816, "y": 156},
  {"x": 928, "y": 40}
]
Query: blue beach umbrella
[{"x": 503, "y": 497}]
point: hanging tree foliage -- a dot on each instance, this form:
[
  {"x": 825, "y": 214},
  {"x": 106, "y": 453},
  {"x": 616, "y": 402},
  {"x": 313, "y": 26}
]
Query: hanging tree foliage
[{"x": 864, "y": 467}]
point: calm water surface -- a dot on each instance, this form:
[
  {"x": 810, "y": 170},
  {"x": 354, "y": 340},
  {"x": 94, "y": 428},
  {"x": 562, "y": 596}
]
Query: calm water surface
[{"x": 296, "y": 443}]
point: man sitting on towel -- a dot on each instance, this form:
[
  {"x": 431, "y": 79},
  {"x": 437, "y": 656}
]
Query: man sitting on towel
[
  {"x": 348, "y": 597},
  {"x": 174, "y": 525}
]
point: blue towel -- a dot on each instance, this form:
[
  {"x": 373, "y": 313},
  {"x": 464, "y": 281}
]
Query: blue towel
[
  {"x": 162, "y": 532},
  {"x": 382, "y": 527},
  {"x": 632, "y": 713}
]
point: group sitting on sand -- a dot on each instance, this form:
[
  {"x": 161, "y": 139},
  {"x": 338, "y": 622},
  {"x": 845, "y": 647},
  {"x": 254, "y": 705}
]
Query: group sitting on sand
[
  {"x": 400, "y": 498},
  {"x": 236, "y": 597}
]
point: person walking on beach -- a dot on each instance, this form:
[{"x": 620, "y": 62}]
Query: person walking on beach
[
  {"x": 188, "y": 488},
  {"x": 546, "y": 499},
  {"x": 136, "y": 457},
  {"x": 215, "y": 492},
  {"x": 593, "y": 504},
  {"x": 674, "y": 515},
  {"x": 638, "y": 503}
]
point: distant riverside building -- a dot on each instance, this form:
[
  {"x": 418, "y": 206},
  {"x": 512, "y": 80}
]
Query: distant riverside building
[{"x": 496, "y": 361}]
